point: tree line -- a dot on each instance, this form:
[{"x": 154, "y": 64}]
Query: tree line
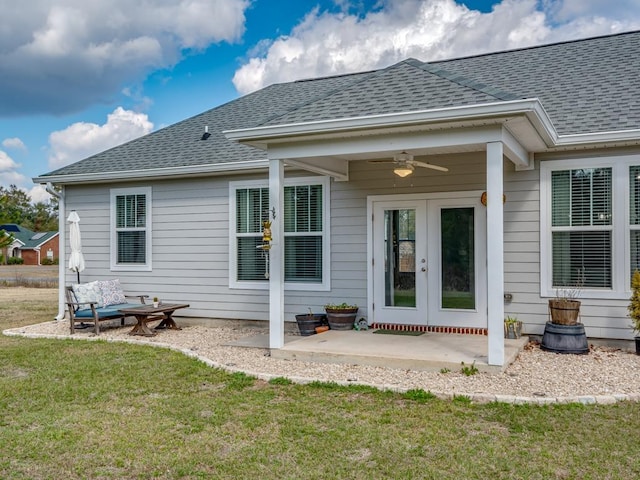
[{"x": 16, "y": 207}]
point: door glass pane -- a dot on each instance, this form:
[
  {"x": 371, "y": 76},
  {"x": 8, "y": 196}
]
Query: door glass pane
[
  {"x": 458, "y": 262},
  {"x": 400, "y": 258}
]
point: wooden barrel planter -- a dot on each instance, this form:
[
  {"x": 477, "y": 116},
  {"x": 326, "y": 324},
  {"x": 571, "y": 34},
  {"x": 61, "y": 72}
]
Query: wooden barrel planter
[
  {"x": 308, "y": 322},
  {"x": 564, "y": 312},
  {"x": 341, "y": 319},
  {"x": 564, "y": 339}
]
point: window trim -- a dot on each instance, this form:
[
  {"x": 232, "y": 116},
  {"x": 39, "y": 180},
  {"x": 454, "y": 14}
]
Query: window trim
[
  {"x": 620, "y": 241},
  {"x": 325, "y": 286},
  {"x": 130, "y": 267}
]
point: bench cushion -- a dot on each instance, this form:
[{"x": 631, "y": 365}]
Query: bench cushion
[
  {"x": 111, "y": 293},
  {"x": 105, "y": 312},
  {"x": 87, "y": 292}
]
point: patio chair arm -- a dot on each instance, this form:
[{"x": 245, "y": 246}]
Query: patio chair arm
[{"x": 141, "y": 297}]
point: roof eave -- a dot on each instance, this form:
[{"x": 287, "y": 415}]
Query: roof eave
[
  {"x": 155, "y": 173},
  {"x": 260, "y": 137}
]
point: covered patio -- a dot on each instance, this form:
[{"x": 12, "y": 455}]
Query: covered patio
[
  {"x": 332, "y": 147},
  {"x": 425, "y": 352}
]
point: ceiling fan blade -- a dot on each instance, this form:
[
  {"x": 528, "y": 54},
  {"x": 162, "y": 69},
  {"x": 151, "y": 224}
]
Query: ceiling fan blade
[{"x": 430, "y": 165}]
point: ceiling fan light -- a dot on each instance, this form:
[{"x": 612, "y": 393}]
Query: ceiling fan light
[
  {"x": 403, "y": 170},
  {"x": 403, "y": 157}
]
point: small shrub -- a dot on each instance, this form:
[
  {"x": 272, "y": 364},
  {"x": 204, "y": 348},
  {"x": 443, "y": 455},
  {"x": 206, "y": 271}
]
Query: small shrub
[
  {"x": 462, "y": 399},
  {"x": 280, "y": 381},
  {"x": 419, "y": 395},
  {"x": 240, "y": 381},
  {"x": 49, "y": 261},
  {"x": 15, "y": 261},
  {"x": 469, "y": 370},
  {"x": 444, "y": 370}
]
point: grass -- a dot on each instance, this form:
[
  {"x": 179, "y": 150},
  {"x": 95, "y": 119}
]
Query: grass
[{"x": 76, "y": 410}]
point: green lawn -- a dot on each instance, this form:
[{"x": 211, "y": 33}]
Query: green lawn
[{"x": 78, "y": 410}]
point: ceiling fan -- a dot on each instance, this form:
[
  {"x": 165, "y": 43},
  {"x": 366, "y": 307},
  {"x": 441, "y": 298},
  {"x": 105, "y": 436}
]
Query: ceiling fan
[{"x": 405, "y": 164}]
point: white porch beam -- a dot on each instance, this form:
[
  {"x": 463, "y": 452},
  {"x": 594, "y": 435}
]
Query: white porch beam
[
  {"x": 387, "y": 143},
  {"x": 276, "y": 254},
  {"x": 333, "y": 167},
  {"x": 495, "y": 254},
  {"x": 515, "y": 152}
]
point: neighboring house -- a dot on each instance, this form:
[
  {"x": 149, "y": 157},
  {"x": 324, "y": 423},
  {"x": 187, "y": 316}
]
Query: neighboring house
[
  {"x": 32, "y": 247},
  {"x": 555, "y": 129}
]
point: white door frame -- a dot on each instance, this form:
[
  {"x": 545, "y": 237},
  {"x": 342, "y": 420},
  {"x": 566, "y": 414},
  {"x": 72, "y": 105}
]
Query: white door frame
[{"x": 435, "y": 201}]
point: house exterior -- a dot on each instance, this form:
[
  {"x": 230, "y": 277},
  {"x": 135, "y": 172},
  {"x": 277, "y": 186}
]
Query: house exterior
[
  {"x": 32, "y": 247},
  {"x": 538, "y": 189}
]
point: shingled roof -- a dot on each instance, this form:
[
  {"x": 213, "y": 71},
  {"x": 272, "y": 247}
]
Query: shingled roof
[
  {"x": 28, "y": 238},
  {"x": 585, "y": 86}
]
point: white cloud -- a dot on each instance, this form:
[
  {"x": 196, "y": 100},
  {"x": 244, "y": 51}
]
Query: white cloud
[
  {"x": 82, "y": 139},
  {"x": 9, "y": 174},
  {"x": 327, "y": 43},
  {"x": 86, "y": 51},
  {"x": 38, "y": 194},
  {"x": 14, "y": 142},
  {"x": 7, "y": 163}
]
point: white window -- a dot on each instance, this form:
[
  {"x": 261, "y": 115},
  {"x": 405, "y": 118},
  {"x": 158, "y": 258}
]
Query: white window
[
  {"x": 590, "y": 231},
  {"x": 131, "y": 229},
  {"x": 306, "y": 245}
]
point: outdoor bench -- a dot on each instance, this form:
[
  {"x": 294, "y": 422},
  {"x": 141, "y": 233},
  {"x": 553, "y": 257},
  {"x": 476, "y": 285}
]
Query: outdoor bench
[{"x": 81, "y": 311}]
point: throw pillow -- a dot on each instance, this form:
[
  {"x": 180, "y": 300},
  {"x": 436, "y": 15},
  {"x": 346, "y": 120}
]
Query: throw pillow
[
  {"x": 112, "y": 293},
  {"x": 87, "y": 292}
]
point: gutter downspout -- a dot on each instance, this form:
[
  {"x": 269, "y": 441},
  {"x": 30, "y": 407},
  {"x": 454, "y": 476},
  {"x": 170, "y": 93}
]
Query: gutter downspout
[{"x": 61, "y": 248}]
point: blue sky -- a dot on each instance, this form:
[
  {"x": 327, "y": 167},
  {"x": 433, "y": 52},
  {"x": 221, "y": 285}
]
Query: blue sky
[{"x": 81, "y": 77}]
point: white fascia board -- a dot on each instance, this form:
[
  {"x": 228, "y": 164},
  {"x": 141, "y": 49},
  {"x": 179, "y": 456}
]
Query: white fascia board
[
  {"x": 156, "y": 173},
  {"x": 467, "y": 112},
  {"x": 599, "y": 137}
]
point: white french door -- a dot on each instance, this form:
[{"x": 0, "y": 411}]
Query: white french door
[
  {"x": 429, "y": 260},
  {"x": 400, "y": 262}
]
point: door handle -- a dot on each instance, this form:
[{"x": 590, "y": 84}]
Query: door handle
[{"x": 424, "y": 269}]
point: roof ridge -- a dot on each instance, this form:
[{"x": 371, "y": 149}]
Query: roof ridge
[
  {"x": 463, "y": 80},
  {"x": 366, "y": 76},
  {"x": 534, "y": 47}
]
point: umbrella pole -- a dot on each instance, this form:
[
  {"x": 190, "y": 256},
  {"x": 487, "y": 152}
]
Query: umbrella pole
[{"x": 78, "y": 272}]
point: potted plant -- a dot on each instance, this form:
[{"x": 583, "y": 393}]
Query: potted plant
[
  {"x": 634, "y": 308},
  {"x": 341, "y": 316},
  {"x": 564, "y": 309},
  {"x": 308, "y": 322},
  {"x": 156, "y": 302},
  {"x": 564, "y": 333},
  {"x": 512, "y": 327}
]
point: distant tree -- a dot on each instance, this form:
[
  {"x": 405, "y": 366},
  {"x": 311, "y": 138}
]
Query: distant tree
[
  {"x": 6, "y": 239},
  {"x": 16, "y": 207}
]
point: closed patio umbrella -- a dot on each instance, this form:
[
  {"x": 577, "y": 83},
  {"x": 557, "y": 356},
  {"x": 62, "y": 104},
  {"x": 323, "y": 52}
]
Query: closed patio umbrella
[{"x": 76, "y": 259}]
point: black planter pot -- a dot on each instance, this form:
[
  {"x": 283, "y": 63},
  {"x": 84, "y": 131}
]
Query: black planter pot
[
  {"x": 564, "y": 339},
  {"x": 637, "y": 339},
  {"x": 342, "y": 319},
  {"x": 308, "y": 322}
]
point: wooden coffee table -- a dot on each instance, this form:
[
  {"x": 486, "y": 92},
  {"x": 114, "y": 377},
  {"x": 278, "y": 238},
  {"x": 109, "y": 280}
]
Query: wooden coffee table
[{"x": 148, "y": 313}]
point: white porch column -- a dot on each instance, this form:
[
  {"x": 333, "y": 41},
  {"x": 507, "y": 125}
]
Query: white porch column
[
  {"x": 276, "y": 254},
  {"x": 495, "y": 253}
]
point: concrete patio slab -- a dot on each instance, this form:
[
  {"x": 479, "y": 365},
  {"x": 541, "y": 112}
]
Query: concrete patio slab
[{"x": 429, "y": 351}]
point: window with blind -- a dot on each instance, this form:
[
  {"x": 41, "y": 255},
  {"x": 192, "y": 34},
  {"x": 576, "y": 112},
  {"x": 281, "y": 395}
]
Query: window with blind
[
  {"x": 590, "y": 222},
  {"x": 131, "y": 228},
  {"x": 582, "y": 227},
  {"x": 305, "y": 232}
]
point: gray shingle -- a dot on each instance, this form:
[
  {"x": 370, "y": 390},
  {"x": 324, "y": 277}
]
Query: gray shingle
[{"x": 585, "y": 86}]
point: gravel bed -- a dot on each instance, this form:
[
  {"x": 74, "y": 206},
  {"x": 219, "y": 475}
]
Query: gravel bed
[{"x": 605, "y": 375}]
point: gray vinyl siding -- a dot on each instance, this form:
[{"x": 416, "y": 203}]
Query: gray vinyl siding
[
  {"x": 603, "y": 318},
  {"x": 191, "y": 243}
]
